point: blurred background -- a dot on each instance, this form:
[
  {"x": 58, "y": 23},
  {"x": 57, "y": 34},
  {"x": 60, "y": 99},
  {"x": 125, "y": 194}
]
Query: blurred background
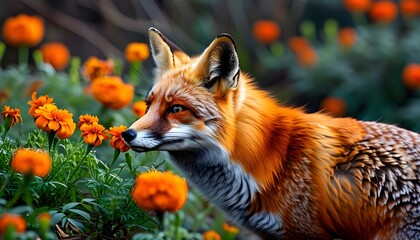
[{"x": 297, "y": 49}]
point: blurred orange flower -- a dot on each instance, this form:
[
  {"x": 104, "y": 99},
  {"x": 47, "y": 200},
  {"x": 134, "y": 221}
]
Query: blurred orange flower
[
  {"x": 93, "y": 134},
  {"x": 4, "y": 95},
  {"x": 23, "y": 30},
  {"x": 160, "y": 191},
  {"x": 410, "y": 7},
  {"x": 57, "y": 54},
  {"x": 347, "y": 37},
  {"x": 87, "y": 119},
  {"x": 307, "y": 58},
  {"x": 49, "y": 118},
  {"x": 44, "y": 216},
  {"x": 117, "y": 141},
  {"x": 266, "y": 31},
  {"x": 298, "y": 44},
  {"x": 38, "y": 102},
  {"x": 139, "y": 108},
  {"x": 411, "y": 75},
  {"x": 230, "y": 228},
  {"x": 31, "y": 161},
  {"x": 384, "y": 11},
  {"x": 94, "y": 68},
  {"x": 112, "y": 92},
  {"x": 136, "y": 51},
  {"x": 211, "y": 235},
  {"x": 357, "y": 6},
  {"x": 9, "y": 219},
  {"x": 14, "y": 114},
  {"x": 334, "y": 105}
]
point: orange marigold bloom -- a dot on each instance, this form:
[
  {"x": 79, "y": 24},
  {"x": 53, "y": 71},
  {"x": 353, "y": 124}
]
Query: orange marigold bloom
[
  {"x": 112, "y": 92},
  {"x": 26, "y": 161},
  {"x": 58, "y": 120},
  {"x": 410, "y": 7},
  {"x": 23, "y": 30},
  {"x": 139, "y": 108},
  {"x": 307, "y": 58},
  {"x": 44, "y": 216},
  {"x": 87, "y": 119},
  {"x": 93, "y": 134},
  {"x": 334, "y": 105},
  {"x": 347, "y": 37},
  {"x": 94, "y": 68},
  {"x": 14, "y": 114},
  {"x": 266, "y": 31},
  {"x": 230, "y": 228},
  {"x": 4, "y": 95},
  {"x": 211, "y": 235},
  {"x": 136, "y": 51},
  {"x": 117, "y": 141},
  {"x": 160, "y": 191},
  {"x": 357, "y": 6},
  {"x": 57, "y": 54},
  {"x": 411, "y": 75},
  {"x": 383, "y": 11},
  {"x": 38, "y": 102},
  {"x": 298, "y": 44},
  {"x": 9, "y": 219}
]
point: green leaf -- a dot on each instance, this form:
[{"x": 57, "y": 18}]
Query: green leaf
[
  {"x": 70, "y": 205},
  {"x": 81, "y": 213},
  {"x": 55, "y": 218},
  {"x": 76, "y": 224}
]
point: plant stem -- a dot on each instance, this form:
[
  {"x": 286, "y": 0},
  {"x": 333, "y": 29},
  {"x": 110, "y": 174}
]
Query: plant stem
[
  {"x": 23, "y": 55},
  {"x": 27, "y": 178}
]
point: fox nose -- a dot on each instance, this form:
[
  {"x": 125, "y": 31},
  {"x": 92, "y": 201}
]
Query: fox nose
[{"x": 129, "y": 135}]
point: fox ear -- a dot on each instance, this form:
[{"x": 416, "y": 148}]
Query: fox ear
[
  {"x": 165, "y": 53},
  {"x": 219, "y": 65}
]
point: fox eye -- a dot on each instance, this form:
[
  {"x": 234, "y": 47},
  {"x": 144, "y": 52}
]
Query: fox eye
[{"x": 176, "y": 108}]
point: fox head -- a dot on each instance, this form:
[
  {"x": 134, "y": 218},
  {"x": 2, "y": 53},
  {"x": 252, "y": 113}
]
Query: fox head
[{"x": 191, "y": 99}]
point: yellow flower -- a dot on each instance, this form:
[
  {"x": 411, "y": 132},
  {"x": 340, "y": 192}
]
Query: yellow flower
[
  {"x": 117, "y": 141},
  {"x": 94, "y": 68},
  {"x": 38, "y": 102},
  {"x": 87, "y": 119},
  {"x": 139, "y": 108},
  {"x": 57, "y": 54},
  {"x": 14, "y": 114},
  {"x": 112, "y": 92},
  {"x": 136, "y": 51},
  {"x": 9, "y": 219},
  {"x": 23, "y": 30},
  {"x": 93, "y": 134},
  {"x": 58, "y": 120},
  {"x": 211, "y": 235},
  {"x": 27, "y": 161},
  {"x": 160, "y": 191}
]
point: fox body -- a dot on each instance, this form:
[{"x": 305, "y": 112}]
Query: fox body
[{"x": 276, "y": 170}]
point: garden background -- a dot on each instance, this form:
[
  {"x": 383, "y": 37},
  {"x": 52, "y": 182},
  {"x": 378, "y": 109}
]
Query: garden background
[{"x": 357, "y": 58}]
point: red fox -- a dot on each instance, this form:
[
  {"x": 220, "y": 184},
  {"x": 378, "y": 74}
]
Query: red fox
[{"x": 276, "y": 170}]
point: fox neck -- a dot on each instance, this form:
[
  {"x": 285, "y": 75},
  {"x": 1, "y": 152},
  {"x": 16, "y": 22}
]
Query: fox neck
[{"x": 227, "y": 186}]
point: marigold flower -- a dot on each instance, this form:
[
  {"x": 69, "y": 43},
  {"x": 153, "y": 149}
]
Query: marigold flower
[
  {"x": 117, "y": 141},
  {"x": 14, "y": 114},
  {"x": 266, "y": 31},
  {"x": 298, "y": 44},
  {"x": 49, "y": 118},
  {"x": 94, "y": 68},
  {"x": 230, "y": 228},
  {"x": 411, "y": 75},
  {"x": 38, "y": 102},
  {"x": 410, "y": 7},
  {"x": 136, "y": 51},
  {"x": 307, "y": 58},
  {"x": 160, "y": 191},
  {"x": 211, "y": 235},
  {"x": 93, "y": 134},
  {"x": 87, "y": 119},
  {"x": 139, "y": 108},
  {"x": 347, "y": 37},
  {"x": 383, "y": 11},
  {"x": 9, "y": 219},
  {"x": 57, "y": 54},
  {"x": 334, "y": 105},
  {"x": 357, "y": 6},
  {"x": 44, "y": 216},
  {"x": 4, "y": 95},
  {"x": 27, "y": 161},
  {"x": 23, "y": 30},
  {"x": 112, "y": 92}
]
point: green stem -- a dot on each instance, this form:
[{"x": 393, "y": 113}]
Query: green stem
[
  {"x": 51, "y": 136},
  {"x": 134, "y": 73},
  {"x": 114, "y": 158},
  {"x": 27, "y": 178},
  {"x": 7, "y": 126},
  {"x": 23, "y": 55}
]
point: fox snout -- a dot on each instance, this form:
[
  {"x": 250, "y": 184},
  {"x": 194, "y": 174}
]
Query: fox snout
[{"x": 129, "y": 135}]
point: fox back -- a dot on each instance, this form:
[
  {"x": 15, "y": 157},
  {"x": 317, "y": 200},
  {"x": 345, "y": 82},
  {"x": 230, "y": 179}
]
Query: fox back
[{"x": 276, "y": 170}]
